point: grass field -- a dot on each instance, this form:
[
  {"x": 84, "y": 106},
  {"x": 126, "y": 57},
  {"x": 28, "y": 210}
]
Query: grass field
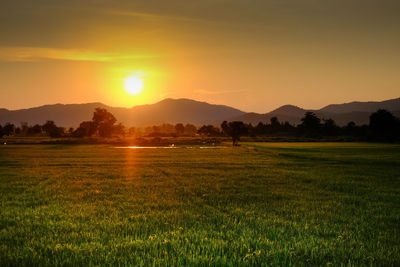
[{"x": 259, "y": 204}]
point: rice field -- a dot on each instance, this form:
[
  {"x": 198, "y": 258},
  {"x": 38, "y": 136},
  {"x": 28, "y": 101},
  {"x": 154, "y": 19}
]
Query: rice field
[{"x": 259, "y": 204}]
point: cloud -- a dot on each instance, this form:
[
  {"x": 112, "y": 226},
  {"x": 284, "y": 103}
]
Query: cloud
[
  {"x": 152, "y": 16},
  {"x": 219, "y": 92},
  {"x": 28, "y": 54}
]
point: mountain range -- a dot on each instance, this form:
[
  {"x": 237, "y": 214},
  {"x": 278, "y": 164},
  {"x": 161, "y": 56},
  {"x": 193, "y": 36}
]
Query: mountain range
[{"x": 191, "y": 111}]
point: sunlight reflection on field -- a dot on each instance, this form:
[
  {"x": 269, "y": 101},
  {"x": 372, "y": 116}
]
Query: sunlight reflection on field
[{"x": 163, "y": 147}]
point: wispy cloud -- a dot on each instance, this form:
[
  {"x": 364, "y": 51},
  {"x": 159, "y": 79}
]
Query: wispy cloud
[
  {"x": 27, "y": 54},
  {"x": 219, "y": 92},
  {"x": 153, "y": 16}
]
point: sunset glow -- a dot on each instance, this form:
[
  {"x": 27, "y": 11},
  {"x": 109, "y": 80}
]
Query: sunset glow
[
  {"x": 133, "y": 85},
  {"x": 184, "y": 132},
  {"x": 251, "y": 56}
]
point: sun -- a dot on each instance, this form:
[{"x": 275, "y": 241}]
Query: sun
[{"x": 133, "y": 85}]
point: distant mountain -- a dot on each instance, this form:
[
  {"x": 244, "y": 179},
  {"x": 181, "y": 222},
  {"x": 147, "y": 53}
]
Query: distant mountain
[
  {"x": 288, "y": 113},
  {"x": 288, "y": 110},
  {"x": 63, "y": 115},
  {"x": 3, "y": 111},
  {"x": 191, "y": 111},
  {"x": 358, "y": 112},
  {"x": 178, "y": 110},
  {"x": 393, "y": 104},
  {"x": 167, "y": 110}
]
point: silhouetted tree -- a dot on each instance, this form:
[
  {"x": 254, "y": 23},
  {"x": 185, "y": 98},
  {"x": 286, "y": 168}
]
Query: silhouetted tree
[
  {"x": 86, "y": 128},
  {"x": 101, "y": 115},
  {"x": 164, "y": 129},
  {"x": 24, "y": 128},
  {"x": 8, "y": 129},
  {"x": 329, "y": 127},
  {"x": 310, "y": 124},
  {"x": 209, "y": 130},
  {"x": 275, "y": 124},
  {"x": 384, "y": 126},
  {"x": 260, "y": 129},
  {"x": 35, "y": 129},
  {"x": 190, "y": 129},
  {"x": 179, "y": 129},
  {"x": 350, "y": 126},
  {"x": 251, "y": 130},
  {"x": 288, "y": 128},
  {"x": 51, "y": 129},
  {"x": 119, "y": 129},
  {"x": 103, "y": 121},
  {"x": 234, "y": 129},
  {"x": 105, "y": 130},
  {"x": 353, "y": 130},
  {"x": 167, "y": 128}
]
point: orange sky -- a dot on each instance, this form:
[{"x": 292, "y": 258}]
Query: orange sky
[{"x": 252, "y": 55}]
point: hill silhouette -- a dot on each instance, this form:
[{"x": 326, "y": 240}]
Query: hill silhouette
[
  {"x": 167, "y": 110},
  {"x": 191, "y": 111},
  {"x": 393, "y": 105},
  {"x": 358, "y": 112}
]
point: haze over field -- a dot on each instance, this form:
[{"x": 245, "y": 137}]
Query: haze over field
[{"x": 254, "y": 56}]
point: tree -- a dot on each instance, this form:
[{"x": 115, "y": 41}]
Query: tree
[
  {"x": 103, "y": 122},
  {"x": 24, "y": 128},
  {"x": 101, "y": 115},
  {"x": 310, "y": 123},
  {"x": 275, "y": 124},
  {"x": 35, "y": 129},
  {"x": 287, "y": 127},
  {"x": 209, "y": 130},
  {"x": 105, "y": 129},
  {"x": 384, "y": 126},
  {"x": 234, "y": 129},
  {"x": 17, "y": 130},
  {"x": 167, "y": 129},
  {"x": 86, "y": 128},
  {"x": 119, "y": 129},
  {"x": 329, "y": 127},
  {"x": 351, "y": 125},
  {"x": 261, "y": 128},
  {"x": 51, "y": 129},
  {"x": 8, "y": 129},
  {"x": 179, "y": 129},
  {"x": 190, "y": 129}
]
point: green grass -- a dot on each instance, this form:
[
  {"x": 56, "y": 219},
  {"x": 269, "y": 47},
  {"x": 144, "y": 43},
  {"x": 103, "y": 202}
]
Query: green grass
[{"x": 259, "y": 204}]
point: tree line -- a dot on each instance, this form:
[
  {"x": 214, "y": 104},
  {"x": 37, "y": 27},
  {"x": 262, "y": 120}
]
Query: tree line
[
  {"x": 383, "y": 126},
  {"x": 103, "y": 124}
]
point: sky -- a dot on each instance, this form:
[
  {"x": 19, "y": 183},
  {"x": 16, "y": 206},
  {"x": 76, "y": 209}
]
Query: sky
[{"x": 255, "y": 55}]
